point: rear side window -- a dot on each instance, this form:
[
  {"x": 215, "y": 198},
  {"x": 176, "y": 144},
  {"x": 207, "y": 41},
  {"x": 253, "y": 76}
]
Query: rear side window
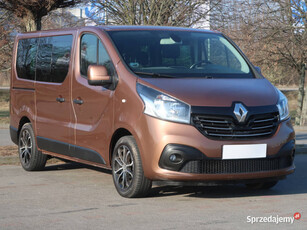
[
  {"x": 26, "y": 58},
  {"x": 53, "y": 58},
  {"x": 44, "y": 59},
  {"x": 94, "y": 53}
]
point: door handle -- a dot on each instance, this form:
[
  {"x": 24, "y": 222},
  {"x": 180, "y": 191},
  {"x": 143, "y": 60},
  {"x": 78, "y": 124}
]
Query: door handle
[
  {"x": 60, "y": 99},
  {"x": 78, "y": 101}
]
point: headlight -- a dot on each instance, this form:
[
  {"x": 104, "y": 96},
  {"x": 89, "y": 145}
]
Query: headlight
[
  {"x": 282, "y": 106},
  {"x": 162, "y": 106}
]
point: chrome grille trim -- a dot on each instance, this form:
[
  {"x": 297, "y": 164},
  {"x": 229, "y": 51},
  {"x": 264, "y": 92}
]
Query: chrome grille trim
[
  {"x": 227, "y": 127},
  {"x": 243, "y": 135},
  {"x": 265, "y": 120}
]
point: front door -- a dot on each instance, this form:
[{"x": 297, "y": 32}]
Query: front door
[{"x": 93, "y": 105}]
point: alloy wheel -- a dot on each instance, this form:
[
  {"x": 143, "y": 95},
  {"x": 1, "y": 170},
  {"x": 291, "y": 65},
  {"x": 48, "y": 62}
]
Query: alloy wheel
[
  {"x": 123, "y": 167},
  {"x": 25, "y": 147}
]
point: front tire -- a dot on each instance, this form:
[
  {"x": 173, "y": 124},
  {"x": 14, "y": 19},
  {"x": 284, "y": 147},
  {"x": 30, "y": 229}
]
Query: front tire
[
  {"x": 127, "y": 169},
  {"x": 30, "y": 158}
]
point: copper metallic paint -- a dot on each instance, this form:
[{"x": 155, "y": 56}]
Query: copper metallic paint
[
  {"x": 216, "y": 92},
  {"x": 92, "y": 124}
]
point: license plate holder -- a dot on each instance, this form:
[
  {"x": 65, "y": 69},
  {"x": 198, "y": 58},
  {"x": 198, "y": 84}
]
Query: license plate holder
[{"x": 248, "y": 151}]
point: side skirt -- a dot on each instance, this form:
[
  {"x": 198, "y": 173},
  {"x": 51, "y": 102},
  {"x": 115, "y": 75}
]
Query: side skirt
[{"x": 71, "y": 151}]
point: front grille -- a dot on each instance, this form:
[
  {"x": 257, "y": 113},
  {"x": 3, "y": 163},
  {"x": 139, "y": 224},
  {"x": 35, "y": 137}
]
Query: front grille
[
  {"x": 226, "y": 127},
  {"x": 236, "y": 166}
]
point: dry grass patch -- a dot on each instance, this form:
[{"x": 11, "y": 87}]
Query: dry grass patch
[
  {"x": 11, "y": 150},
  {"x": 9, "y": 156},
  {"x": 4, "y": 108}
]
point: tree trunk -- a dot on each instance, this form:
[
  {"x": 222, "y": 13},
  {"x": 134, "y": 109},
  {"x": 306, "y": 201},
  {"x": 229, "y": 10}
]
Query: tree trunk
[
  {"x": 38, "y": 22},
  {"x": 304, "y": 99}
]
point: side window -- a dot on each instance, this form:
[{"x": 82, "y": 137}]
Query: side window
[
  {"x": 93, "y": 53},
  {"x": 53, "y": 58},
  {"x": 26, "y": 58}
]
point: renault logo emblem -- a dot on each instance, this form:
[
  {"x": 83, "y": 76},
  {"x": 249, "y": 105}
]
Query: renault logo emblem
[{"x": 240, "y": 111}]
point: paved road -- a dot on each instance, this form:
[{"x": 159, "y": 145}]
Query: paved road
[{"x": 73, "y": 197}]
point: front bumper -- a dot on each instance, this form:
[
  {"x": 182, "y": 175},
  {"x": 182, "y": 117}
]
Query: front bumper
[
  {"x": 164, "y": 138},
  {"x": 186, "y": 159}
]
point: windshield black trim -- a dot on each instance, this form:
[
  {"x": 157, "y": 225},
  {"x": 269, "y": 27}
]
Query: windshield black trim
[{"x": 155, "y": 75}]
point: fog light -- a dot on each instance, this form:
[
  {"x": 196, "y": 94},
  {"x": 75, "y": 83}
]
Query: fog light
[{"x": 175, "y": 158}]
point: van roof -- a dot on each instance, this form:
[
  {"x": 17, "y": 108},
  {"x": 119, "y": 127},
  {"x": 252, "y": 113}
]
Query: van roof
[
  {"x": 111, "y": 28},
  {"x": 126, "y": 27}
]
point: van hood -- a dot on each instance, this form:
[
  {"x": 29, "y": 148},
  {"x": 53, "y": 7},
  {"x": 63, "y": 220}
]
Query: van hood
[{"x": 216, "y": 92}]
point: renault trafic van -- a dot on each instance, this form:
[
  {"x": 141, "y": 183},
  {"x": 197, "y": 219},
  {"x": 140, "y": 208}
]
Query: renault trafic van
[{"x": 149, "y": 103}]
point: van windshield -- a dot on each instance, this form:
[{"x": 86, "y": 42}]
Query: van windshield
[{"x": 162, "y": 53}]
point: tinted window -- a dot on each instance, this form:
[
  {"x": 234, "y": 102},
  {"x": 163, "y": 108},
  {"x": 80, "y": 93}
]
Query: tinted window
[
  {"x": 49, "y": 63},
  {"x": 53, "y": 58},
  {"x": 26, "y": 58},
  {"x": 93, "y": 53}
]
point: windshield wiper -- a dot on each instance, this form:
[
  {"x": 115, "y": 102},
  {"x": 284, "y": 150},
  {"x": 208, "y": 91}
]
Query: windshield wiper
[{"x": 156, "y": 75}]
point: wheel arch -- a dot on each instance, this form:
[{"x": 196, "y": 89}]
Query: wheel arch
[
  {"x": 22, "y": 121},
  {"x": 119, "y": 133}
]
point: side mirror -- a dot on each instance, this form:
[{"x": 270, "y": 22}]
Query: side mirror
[
  {"x": 258, "y": 69},
  {"x": 98, "y": 75}
]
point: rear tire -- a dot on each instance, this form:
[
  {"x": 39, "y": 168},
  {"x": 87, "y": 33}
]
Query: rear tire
[
  {"x": 30, "y": 158},
  {"x": 264, "y": 185},
  {"x": 127, "y": 169}
]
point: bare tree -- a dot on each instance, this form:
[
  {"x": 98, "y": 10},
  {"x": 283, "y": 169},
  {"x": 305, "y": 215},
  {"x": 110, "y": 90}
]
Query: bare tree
[
  {"x": 287, "y": 35},
  {"x": 10, "y": 25},
  {"x": 4, "y": 41},
  {"x": 32, "y": 11},
  {"x": 153, "y": 12},
  {"x": 61, "y": 18},
  {"x": 273, "y": 34},
  {"x": 7, "y": 25}
]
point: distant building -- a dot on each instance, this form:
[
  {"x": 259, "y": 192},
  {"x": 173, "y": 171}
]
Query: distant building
[{"x": 204, "y": 23}]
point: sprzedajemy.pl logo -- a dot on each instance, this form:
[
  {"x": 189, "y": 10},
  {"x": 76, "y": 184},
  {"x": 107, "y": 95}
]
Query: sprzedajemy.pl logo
[{"x": 273, "y": 219}]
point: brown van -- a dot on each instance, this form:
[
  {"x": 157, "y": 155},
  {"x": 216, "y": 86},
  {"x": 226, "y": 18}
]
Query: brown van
[{"x": 150, "y": 103}]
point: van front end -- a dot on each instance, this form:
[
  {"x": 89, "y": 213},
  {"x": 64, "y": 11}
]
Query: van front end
[
  {"x": 181, "y": 152},
  {"x": 231, "y": 143}
]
